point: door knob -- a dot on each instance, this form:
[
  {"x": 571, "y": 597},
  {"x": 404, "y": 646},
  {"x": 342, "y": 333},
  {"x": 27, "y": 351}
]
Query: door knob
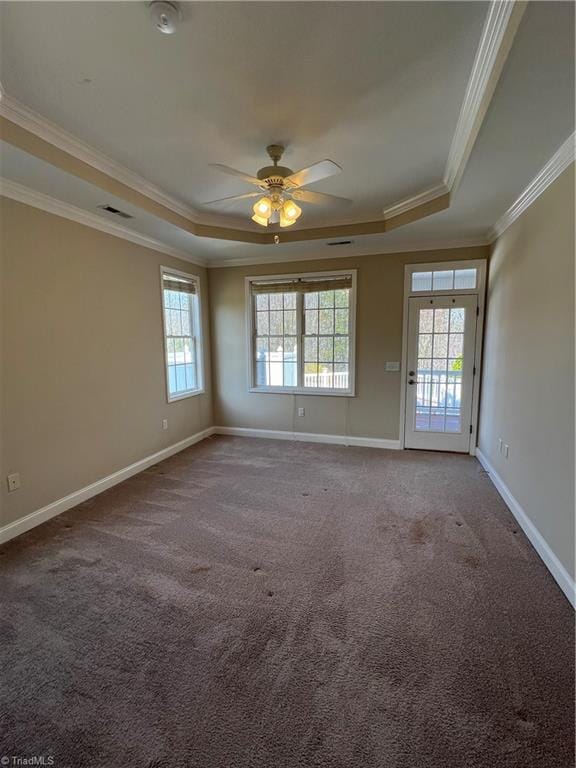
[{"x": 411, "y": 381}]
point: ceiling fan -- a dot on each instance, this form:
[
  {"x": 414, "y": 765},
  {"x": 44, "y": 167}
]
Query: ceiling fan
[{"x": 282, "y": 188}]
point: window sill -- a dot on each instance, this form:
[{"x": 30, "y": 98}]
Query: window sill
[
  {"x": 185, "y": 395},
  {"x": 301, "y": 391}
]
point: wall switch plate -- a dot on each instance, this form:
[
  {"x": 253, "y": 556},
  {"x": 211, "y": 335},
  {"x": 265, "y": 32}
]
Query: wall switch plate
[
  {"x": 164, "y": 423},
  {"x": 301, "y": 411},
  {"x": 392, "y": 366},
  {"x": 13, "y": 482}
]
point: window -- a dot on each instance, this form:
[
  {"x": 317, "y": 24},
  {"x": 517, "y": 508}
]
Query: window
[
  {"x": 302, "y": 336},
  {"x": 182, "y": 335},
  {"x": 444, "y": 280}
]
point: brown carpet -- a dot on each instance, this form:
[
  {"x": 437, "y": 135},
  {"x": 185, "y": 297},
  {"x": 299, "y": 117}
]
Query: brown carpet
[{"x": 262, "y": 604}]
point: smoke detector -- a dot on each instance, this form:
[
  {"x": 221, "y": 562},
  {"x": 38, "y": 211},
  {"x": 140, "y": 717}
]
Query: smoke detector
[{"x": 165, "y": 16}]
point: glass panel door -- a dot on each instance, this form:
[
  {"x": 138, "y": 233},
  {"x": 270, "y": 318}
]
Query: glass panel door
[
  {"x": 441, "y": 336},
  {"x": 439, "y": 369}
]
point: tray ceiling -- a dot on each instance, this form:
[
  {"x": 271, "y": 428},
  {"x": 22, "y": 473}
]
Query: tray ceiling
[
  {"x": 379, "y": 90},
  {"x": 377, "y": 87}
]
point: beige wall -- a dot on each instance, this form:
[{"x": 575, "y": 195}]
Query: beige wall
[
  {"x": 528, "y": 373},
  {"x": 82, "y": 360},
  {"x": 375, "y": 411},
  {"x": 83, "y": 385}
]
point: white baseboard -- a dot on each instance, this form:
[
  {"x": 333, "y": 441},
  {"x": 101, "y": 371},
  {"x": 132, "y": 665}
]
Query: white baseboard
[
  {"x": 310, "y": 437},
  {"x": 558, "y": 571},
  {"x": 14, "y": 529}
]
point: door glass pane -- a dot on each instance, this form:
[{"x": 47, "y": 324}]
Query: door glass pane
[
  {"x": 441, "y": 319},
  {"x": 426, "y": 324},
  {"x": 439, "y": 370},
  {"x": 425, "y": 345},
  {"x": 457, "y": 320},
  {"x": 440, "y": 344}
]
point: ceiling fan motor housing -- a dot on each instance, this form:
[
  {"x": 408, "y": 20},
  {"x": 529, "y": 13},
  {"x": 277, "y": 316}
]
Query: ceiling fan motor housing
[{"x": 274, "y": 174}]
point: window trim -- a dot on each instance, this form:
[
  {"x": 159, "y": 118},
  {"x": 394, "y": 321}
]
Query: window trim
[
  {"x": 199, "y": 336},
  {"x": 438, "y": 266},
  {"x": 250, "y": 333}
]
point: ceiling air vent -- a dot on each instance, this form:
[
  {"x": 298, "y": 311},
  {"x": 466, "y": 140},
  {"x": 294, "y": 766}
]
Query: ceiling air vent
[
  {"x": 115, "y": 211},
  {"x": 341, "y": 242}
]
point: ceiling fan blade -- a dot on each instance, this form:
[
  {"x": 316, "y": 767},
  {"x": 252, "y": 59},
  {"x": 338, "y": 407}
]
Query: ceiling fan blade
[
  {"x": 318, "y": 198},
  {"x": 313, "y": 173},
  {"x": 233, "y": 197},
  {"x": 239, "y": 174}
]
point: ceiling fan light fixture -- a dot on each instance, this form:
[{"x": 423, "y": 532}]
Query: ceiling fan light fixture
[
  {"x": 281, "y": 187},
  {"x": 263, "y": 208},
  {"x": 285, "y": 221},
  {"x": 260, "y": 220},
  {"x": 291, "y": 210}
]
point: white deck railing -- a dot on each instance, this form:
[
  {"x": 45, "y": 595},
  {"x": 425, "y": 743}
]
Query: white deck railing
[
  {"x": 338, "y": 380},
  {"x": 437, "y": 388}
]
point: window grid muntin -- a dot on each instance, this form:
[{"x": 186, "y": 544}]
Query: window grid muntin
[
  {"x": 284, "y": 323},
  {"x": 181, "y": 314},
  {"x": 318, "y": 307},
  {"x": 345, "y": 368}
]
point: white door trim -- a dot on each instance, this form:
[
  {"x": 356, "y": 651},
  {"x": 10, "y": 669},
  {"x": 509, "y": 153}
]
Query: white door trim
[
  {"x": 432, "y": 439},
  {"x": 480, "y": 292}
]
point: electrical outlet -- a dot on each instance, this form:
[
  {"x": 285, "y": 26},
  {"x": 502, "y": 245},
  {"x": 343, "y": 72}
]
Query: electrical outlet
[
  {"x": 301, "y": 411},
  {"x": 164, "y": 423},
  {"x": 13, "y": 482},
  {"x": 506, "y": 451}
]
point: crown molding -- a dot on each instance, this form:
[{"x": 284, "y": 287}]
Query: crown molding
[
  {"x": 558, "y": 163},
  {"x": 197, "y": 224},
  {"x": 22, "y": 194},
  {"x": 409, "y": 203},
  {"x": 500, "y": 27},
  {"x": 43, "y": 128},
  {"x": 415, "y": 247}
]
